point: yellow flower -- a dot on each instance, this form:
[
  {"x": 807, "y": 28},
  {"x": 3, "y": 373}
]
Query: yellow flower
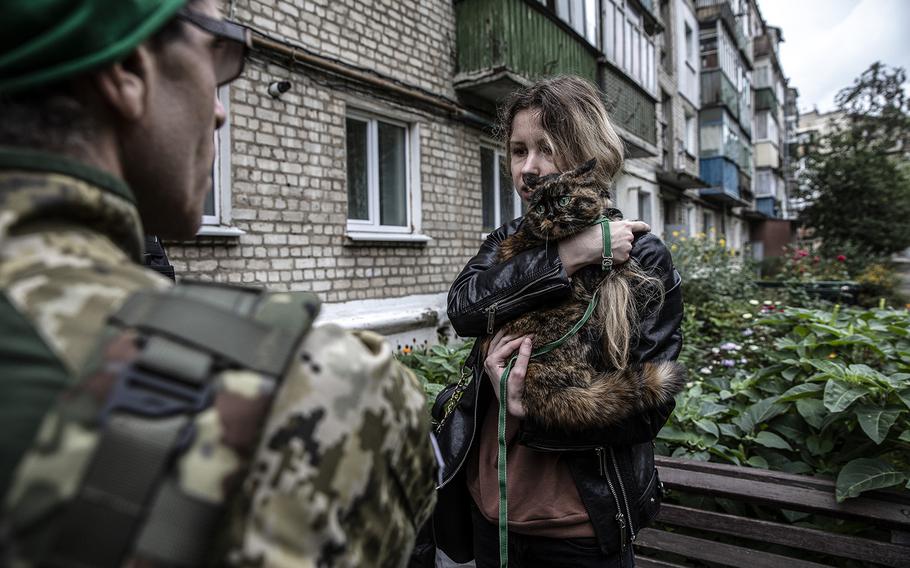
[
  {"x": 832, "y": 356},
  {"x": 673, "y": 247},
  {"x": 682, "y": 238},
  {"x": 675, "y": 233},
  {"x": 722, "y": 242}
]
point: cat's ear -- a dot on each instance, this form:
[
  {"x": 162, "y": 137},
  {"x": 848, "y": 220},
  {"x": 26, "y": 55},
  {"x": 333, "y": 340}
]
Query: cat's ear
[{"x": 586, "y": 167}]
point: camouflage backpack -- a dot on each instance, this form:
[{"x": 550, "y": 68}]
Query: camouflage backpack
[{"x": 152, "y": 444}]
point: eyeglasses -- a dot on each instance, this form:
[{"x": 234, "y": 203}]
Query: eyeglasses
[{"x": 230, "y": 53}]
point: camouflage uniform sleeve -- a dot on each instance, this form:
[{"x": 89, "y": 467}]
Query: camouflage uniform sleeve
[{"x": 344, "y": 473}]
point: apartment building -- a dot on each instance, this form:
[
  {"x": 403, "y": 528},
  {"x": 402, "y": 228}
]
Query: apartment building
[{"x": 359, "y": 160}]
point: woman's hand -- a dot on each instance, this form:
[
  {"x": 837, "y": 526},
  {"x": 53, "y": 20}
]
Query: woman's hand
[
  {"x": 585, "y": 247},
  {"x": 501, "y": 349}
]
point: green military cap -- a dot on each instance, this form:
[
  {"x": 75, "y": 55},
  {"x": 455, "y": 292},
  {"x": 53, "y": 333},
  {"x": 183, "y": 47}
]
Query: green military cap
[{"x": 42, "y": 41}]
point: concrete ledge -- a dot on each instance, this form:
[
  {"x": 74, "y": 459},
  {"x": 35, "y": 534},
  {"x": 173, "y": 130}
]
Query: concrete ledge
[{"x": 407, "y": 321}]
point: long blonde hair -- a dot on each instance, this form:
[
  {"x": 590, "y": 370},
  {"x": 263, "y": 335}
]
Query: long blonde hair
[{"x": 572, "y": 114}]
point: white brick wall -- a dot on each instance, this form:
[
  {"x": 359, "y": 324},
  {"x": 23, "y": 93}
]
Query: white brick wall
[{"x": 288, "y": 174}]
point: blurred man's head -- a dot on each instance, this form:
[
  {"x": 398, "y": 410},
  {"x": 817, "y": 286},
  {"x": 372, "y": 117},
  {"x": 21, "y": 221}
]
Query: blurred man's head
[{"x": 147, "y": 115}]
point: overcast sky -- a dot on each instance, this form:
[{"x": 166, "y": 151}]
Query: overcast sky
[{"x": 828, "y": 43}]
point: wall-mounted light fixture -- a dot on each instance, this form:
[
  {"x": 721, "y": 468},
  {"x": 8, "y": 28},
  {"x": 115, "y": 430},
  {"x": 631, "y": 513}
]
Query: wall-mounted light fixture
[{"x": 278, "y": 88}]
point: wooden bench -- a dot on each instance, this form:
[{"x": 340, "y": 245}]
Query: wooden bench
[{"x": 683, "y": 536}]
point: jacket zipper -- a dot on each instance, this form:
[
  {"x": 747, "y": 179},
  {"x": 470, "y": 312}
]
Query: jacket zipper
[
  {"x": 620, "y": 517},
  {"x": 491, "y": 310},
  {"x": 622, "y": 488}
]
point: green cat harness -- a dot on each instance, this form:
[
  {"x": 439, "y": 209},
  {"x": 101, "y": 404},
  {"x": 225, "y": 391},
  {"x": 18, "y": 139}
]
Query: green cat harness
[
  {"x": 503, "y": 396},
  {"x": 606, "y": 255}
]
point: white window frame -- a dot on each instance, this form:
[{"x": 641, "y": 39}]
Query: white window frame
[
  {"x": 648, "y": 196},
  {"x": 500, "y": 162},
  {"x": 371, "y": 229},
  {"x": 219, "y": 224},
  {"x": 627, "y": 45}
]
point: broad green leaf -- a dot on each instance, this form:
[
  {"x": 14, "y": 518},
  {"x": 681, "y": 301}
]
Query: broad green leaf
[
  {"x": 830, "y": 368},
  {"x": 758, "y": 461},
  {"x": 905, "y": 436},
  {"x": 904, "y": 395},
  {"x": 791, "y": 373},
  {"x": 876, "y": 421},
  {"x": 865, "y": 474},
  {"x": 812, "y": 410},
  {"x": 730, "y": 430},
  {"x": 708, "y": 409},
  {"x": 790, "y": 426},
  {"x": 671, "y": 434},
  {"x": 709, "y": 427},
  {"x": 867, "y": 373},
  {"x": 819, "y": 446},
  {"x": 839, "y": 396},
  {"x": 899, "y": 380},
  {"x": 772, "y": 440},
  {"x": 800, "y": 391}
]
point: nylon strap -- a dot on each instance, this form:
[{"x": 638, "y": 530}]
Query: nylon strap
[
  {"x": 501, "y": 458},
  {"x": 126, "y": 495}
]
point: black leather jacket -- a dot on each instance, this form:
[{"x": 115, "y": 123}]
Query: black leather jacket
[{"x": 613, "y": 468}]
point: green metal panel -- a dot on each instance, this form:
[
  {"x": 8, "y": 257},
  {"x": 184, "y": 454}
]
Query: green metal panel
[
  {"x": 716, "y": 89},
  {"x": 628, "y": 106},
  {"x": 765, "y": 100},
  {"x": 515, "y": 36}
]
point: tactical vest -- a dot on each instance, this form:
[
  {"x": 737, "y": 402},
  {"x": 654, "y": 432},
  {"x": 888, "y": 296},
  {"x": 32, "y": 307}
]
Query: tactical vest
[{"x": 160, "y": 362}]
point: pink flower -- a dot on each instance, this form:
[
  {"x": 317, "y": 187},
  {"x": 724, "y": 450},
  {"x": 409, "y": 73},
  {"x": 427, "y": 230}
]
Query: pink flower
[
  {"x": 841, "y": 258},
  {"x": 802, "y": 253}
]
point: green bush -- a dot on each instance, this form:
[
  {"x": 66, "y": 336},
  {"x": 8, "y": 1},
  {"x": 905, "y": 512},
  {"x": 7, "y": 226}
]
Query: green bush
[
  {"x": 713, "y": 276},
  {"x": 831, "y": 398},
  {"x": 436, "y": 366}
]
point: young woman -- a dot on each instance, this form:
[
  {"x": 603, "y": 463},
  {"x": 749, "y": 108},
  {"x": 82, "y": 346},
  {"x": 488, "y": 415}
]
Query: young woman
[{"x": 575, "y": 498}]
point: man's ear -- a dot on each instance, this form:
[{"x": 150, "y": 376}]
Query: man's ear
[{"x": 124, "y": 86}]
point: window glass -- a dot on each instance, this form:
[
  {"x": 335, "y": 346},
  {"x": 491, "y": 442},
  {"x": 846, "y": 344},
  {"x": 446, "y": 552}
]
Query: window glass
[
  {"x": 358, "y": 202},
  {"x": 644, "y": 206},
  {"x": 392, "y": 175}
]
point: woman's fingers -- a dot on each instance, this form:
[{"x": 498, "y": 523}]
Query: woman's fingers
[
  {"x": 516, "y": 384},
  {"x": 622, "y": 233}
]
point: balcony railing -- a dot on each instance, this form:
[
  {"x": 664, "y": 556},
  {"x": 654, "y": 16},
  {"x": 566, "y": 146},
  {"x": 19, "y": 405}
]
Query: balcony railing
[
  {"x": 765, "y": 99},
  {"x": 629, "y": 106},
  {"x": 717, "y": 89},
  {"x": 722, "y": 176},
  {"x": 504, "y": 43}
]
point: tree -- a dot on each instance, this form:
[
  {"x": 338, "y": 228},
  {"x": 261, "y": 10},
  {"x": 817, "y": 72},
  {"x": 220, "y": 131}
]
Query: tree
[{"x": 856, "y": 179}]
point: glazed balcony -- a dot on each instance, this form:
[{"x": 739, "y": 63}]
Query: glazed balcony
[
  {"x": 505, "y": 44},
  {"x": 717, "y": 89},
  {"x": 765, "y": 99}
]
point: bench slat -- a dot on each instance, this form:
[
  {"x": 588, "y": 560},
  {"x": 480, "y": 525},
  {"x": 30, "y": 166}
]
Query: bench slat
[
  {"x": 752, "y": 473},
  {"x": 775, "y": 477},
  {"x": 894, "y": 515},
  {"x": 645, "y": 562},
  {"x": 842, "y": 546},
  {"x": 718, "y": 552}
]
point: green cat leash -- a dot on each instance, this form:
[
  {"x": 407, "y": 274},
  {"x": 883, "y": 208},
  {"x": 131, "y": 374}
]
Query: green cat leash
[{"x": 605, "y": 265}]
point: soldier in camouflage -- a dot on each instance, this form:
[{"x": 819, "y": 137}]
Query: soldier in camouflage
[{"x": 308, "y": 448}]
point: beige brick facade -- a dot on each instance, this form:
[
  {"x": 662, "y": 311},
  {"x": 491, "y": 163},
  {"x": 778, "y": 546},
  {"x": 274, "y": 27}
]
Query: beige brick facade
[{"x": 288, "y": 163}]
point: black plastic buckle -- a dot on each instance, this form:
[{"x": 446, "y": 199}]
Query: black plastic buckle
[{"x": 146, "y": 393}]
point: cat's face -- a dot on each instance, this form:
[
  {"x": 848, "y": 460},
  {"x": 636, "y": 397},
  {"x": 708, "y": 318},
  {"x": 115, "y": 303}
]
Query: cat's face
[{"x": 563, "y": 204}]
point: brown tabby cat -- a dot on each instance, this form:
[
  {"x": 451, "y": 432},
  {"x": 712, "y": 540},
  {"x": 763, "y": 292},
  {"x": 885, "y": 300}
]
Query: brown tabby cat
[{"x": 564, "y": 388}]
